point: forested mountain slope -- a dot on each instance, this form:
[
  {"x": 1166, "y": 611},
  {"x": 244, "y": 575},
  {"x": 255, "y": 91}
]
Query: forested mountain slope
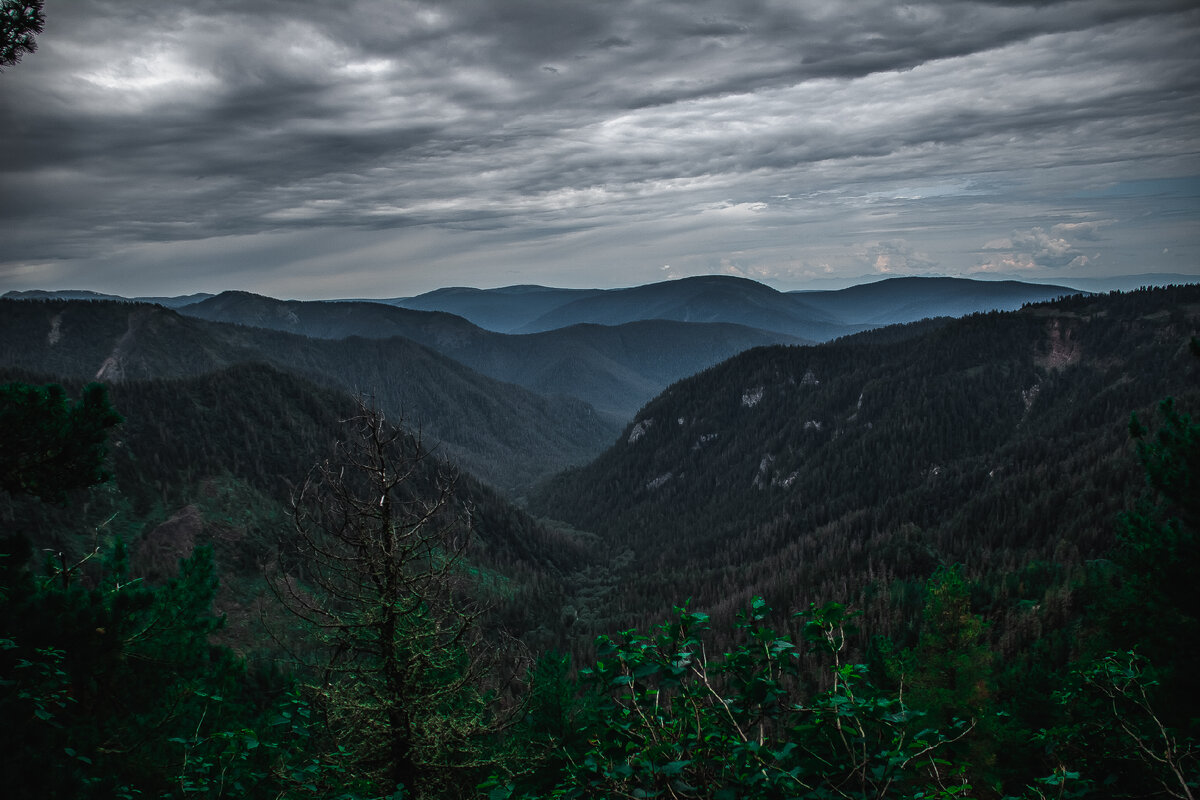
[
  {"x": 215, "y": 459},
  {"x": 806, "y": 473},
  {"x": 615, "y": 369},
  {"x": 503, "y": 433}
]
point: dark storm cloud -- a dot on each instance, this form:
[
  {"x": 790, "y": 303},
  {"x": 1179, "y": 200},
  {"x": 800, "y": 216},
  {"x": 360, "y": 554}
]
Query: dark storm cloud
[{"x": 904, "y": 136}]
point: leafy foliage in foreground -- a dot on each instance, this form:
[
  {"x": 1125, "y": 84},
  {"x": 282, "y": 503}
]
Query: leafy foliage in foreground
[{"x": 669, "y": 720}]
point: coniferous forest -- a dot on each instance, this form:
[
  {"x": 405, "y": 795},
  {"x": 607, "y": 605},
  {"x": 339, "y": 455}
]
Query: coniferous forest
[{"x": 950, "y": 558}]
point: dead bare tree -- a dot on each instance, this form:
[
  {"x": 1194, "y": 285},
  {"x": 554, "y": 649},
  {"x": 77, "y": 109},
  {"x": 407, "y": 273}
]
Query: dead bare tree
[{"x": 407, "y": 680}]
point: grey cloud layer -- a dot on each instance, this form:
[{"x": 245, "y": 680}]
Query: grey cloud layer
[{"x": 141, "y": 122}]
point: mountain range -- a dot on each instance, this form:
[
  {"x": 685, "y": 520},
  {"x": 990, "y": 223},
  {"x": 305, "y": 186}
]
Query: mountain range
[
  {"x": 505, "y": 434},
  {"x": 616, "y": 369},
  {"x": 808, "y": 315},
  {"x": 898, "y": 300},
  {"x": 514, "y": 408},
  {"x": 82, "y": 294},
  {"x": 505, "y": 310},
  {"x": 815, "y": 316},
  {"x": 614, "y": 349},
  {"x": 998, "y": 441}
]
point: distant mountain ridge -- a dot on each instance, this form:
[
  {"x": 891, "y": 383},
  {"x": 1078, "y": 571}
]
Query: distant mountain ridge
[
  {"x": 83, "y": 294},
  {"x": 503, "y": 433},
  {"x": 908, "y": 299},
  {"x": 710, "y": 298},
  {"x": 809, "y": 315},
  {"x": 327, "y": 319},
  {"x": 615, "y": 369},
  {"x": 503, "y": 310},
  {"x": 612, "y": 348},
  {"x": 812, "y": 315},
  {"x": 1127, "y": 283}
]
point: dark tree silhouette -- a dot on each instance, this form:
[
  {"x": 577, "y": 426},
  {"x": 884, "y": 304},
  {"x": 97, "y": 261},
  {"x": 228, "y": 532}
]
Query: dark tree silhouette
[
  {"x": 20, "y": 20},
  {"x": 409, "y": 682},
  {"x": 51, "y": 446}
]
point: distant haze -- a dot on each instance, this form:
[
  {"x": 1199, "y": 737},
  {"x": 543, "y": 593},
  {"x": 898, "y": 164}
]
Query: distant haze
[{"x": 386, "y": 148}]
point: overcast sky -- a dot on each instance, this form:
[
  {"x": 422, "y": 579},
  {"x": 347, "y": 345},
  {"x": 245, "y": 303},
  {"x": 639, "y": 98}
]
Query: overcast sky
[{"x": 306, "y": 148}]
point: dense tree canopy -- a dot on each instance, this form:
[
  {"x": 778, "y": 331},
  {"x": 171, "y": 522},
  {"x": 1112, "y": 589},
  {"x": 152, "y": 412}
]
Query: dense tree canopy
[{"x": 51, "y": 446}]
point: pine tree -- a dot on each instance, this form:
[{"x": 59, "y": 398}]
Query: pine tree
[
  {"x": 19, "y": 21},
  {"x": 51, "y": 446},
  {"x": 407, "y": 684},
  {"x": 947, "y": 673}
]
